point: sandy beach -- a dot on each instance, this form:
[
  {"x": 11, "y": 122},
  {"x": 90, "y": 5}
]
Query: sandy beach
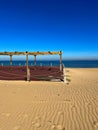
[{"x": 51, "y": 105}]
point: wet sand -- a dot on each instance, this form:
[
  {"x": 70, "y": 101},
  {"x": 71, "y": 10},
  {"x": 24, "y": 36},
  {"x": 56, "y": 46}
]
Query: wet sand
[{"x": 45, "y": 105}]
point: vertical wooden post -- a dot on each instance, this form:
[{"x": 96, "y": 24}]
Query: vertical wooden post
[
  {"x": 10, "y": 60},
  {"x": 27, "y": 60},
  {"x": 34, "y": 60},
  {"x": 28, "y": 72},
  {"x": 61, "y": 61}
]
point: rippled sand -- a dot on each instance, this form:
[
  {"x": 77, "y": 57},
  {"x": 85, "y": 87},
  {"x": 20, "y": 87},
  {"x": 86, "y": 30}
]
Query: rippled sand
[{"x": 51, "y": 105}]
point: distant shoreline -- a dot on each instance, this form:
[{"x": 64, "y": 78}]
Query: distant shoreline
[{"x": 67, "y": 63}]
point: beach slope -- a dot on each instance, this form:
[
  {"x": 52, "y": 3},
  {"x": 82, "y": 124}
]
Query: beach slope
[{"x": 51, "y": 105}]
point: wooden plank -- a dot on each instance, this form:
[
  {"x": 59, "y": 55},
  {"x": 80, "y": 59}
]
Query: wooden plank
[{"x": 31, "y": 53}]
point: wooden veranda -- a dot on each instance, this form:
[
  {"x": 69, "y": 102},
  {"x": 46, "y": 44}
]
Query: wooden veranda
[{"x": 35, "y": 54}]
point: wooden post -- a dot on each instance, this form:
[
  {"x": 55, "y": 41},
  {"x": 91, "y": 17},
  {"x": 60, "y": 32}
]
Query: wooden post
[
  {"x": 10, "y": 60},
  {"x": 27, "y": 67},
  {"x": 27, "y": 60},
  {"x": 34, "y": 60},
  {"x": 61, "y": 61},
  {"x": 28, "y": 74}
]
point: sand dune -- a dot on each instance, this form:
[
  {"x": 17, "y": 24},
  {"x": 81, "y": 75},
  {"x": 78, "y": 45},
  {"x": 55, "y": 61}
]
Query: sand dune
[{"x": 51, "y": 105}]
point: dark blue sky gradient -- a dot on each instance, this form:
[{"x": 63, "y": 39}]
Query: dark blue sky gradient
[{"x": 50, "y": 25}]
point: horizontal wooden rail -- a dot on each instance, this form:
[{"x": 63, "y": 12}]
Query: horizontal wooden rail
[{"x": 31, "y": 53}]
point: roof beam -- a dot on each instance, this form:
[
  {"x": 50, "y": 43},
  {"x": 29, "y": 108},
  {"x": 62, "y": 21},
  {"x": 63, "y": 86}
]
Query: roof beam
[{"x": 32, "y": 53}]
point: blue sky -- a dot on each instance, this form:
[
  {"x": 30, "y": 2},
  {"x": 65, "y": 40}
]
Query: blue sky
[{"x": 50, "y": 25}]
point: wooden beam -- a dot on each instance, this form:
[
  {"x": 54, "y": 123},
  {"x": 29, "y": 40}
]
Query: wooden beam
[
  {"x": 45, "y": 53},
  {"x": 31, "y": 53},
  {"x": 27, "y": 60}
]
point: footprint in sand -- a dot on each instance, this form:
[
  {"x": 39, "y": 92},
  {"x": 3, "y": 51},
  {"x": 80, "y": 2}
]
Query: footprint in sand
[
  {"x": 14, "y": 92},
  {"x": 58, "y": 94},
  {"x": 8, "y": 114},
  {"x": 37, "y": 125},
  {"x": 17, "y": 128},
  {"x": 60, "y": 117},
  {"x": 60, "y": 113},
  {"x": 25, "y": 115},
  {"x": 37, "y": 122},
  {"x": 88, "y": 104},
  {"x": 60, "y": 127},
  {"x": 73, "y": 107},
  {"x": 57, "y": 127},
  {"x": 96, "y": 124},
  {"x": 53, "y": 127},
  {"x": 67, "y": 100},
  {"x": 59, "y": 123}
]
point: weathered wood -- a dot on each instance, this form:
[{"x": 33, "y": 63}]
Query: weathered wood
[
  {"x": 28, "y": 74},
  {"x": 61, "y": 61},
  {"x": 27, "y": 60},
  {"x": 28, "y": 70},
  {"x": 31, "y": 53}
]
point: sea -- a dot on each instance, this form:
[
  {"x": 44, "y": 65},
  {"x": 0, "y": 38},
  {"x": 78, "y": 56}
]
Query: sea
[{"x": 67, "y": 63}]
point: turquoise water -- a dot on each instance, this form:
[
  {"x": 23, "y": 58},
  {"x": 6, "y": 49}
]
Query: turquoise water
[{"x": 67, "y": 63}]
